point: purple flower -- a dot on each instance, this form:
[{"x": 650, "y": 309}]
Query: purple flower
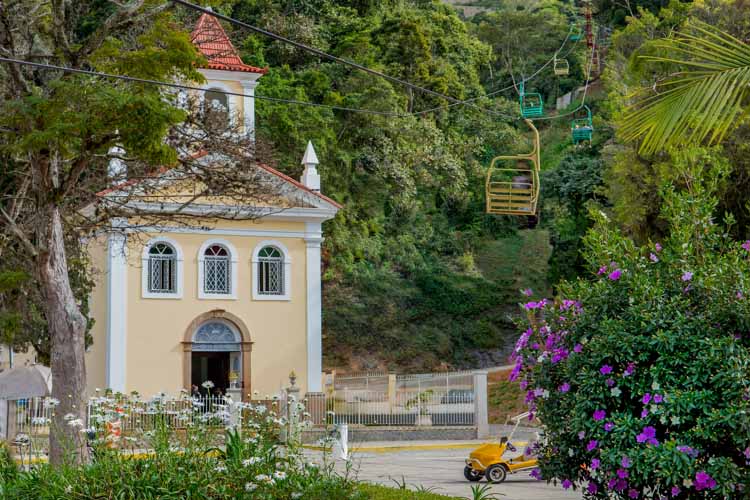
[
  {"x": 687, "y": 276},
  {"x": 658, "y": 247},
  {"x": 648, "y": 436},
  {"x": 615, "y": 275},
  {"x": 523, "y": 384},
  {"x": 644, "y": 413},
  {"x": 747, "y": 453},
  {"x": 581, "y": 435},
  {"x": 531, "y": 305},
  {"x": 704, "y": 481},
  {"x": 599, "y": 415},
  {"x": 658, "y": 398},
  {"x": 622, "y": 473},
  {"x": 578, "y": 348},
  {"x": 528, "y": 292},
  {"x": 566, "y": 484},
  {"x": 592, "y": 488},
  {"x": 739, "y": 295},
  {"x": 602, "y": 270},
  {"x": 565, "y": 387},
  {"x": 539, "y": 392},
  {"x": 653, "y": 257},
  {"x": 675, "y": 491},
  {"x": 633, "y": 493},
  {"x": 746, "y": 245},
  {"x": 536, "y": 474},
  {"x": 592, "y": 445},
  {"x": 605, "y": 370},
  {"x": 625, "y": 462},
  {"x": 646, "y": 398},
  {"x": 595, "y": 463},
  {"x": 609, "y": 426},
  {"x": 629, "y": 370},
  {"x": 609, "y": 382},
  {"x": 621, "y": 485}
]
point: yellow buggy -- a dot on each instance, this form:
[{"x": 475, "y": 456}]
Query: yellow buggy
[{"x": 488, "y": 460}]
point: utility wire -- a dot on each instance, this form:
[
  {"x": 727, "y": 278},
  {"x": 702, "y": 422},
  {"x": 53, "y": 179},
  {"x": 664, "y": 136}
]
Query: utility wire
[
  {"x": 198, "y": 89},
  {"x": 320, "y": 53}
]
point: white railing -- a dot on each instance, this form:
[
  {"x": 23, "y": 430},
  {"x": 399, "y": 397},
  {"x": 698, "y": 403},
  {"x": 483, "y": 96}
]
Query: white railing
[
  {"x": 32, "y": 416},
  {"x": 431, "y": 407}
]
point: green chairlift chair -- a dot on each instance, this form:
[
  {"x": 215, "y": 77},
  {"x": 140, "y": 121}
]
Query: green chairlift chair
[
  {"x": 582, "y": 129},
  {"x": 532, "y": 105}
]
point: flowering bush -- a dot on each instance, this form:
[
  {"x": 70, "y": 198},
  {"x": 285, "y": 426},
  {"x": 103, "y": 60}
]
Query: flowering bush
[
  {"x": 181, "y": 449},
  {"x": 641, "y": 375}
]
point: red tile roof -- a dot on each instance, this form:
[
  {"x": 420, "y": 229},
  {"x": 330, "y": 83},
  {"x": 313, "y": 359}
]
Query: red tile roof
[{"x": 212, "y": 41}]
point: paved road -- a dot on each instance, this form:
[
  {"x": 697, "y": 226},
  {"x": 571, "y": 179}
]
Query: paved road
[{"x": 442, "y": 470}]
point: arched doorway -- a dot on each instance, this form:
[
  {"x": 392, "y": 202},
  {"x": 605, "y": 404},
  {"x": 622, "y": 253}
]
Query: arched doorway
[{"x": 217, "y": 348}]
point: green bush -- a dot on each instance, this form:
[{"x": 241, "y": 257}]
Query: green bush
[{"x": 641, "y": 375}]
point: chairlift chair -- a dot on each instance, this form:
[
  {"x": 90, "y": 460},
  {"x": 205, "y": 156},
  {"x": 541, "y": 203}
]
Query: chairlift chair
[
  {"x": 561, "y": 67},
  {"x": 515, "y": 190},
  {"x": 575, "y": 32},
  {"x": 582, "y": 129},
  {"x": 532, "y": 105}
]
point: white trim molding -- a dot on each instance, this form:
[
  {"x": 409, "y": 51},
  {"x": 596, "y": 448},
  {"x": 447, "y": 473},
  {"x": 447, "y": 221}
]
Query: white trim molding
[
  {"x": 287, "y": 295},
  {"x": 117, "y": 308},
  {"x": 313, "y": 240},
  {"x": 144, "y": 269},
  {"x": 233, "y": 260}
]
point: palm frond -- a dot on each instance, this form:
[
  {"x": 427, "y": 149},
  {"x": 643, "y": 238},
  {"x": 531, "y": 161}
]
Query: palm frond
[{"x": 702, "y": 102}]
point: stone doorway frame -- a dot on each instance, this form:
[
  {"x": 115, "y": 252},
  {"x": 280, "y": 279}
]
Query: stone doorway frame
[{"x": 246, "y": 347}]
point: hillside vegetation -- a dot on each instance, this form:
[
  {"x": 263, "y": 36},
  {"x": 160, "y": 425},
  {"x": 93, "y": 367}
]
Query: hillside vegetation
[{"x": 417, "y": 277}]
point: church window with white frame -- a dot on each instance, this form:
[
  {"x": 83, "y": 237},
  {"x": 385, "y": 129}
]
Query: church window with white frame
[
  {"x": 217, "y": 272},
  {"x": 162, "y": 269},
  {"x": 271, "y": 272}
]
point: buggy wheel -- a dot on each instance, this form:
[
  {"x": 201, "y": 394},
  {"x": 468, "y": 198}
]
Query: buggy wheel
[
  {"x": 496, "y": 474},
  {"x": 471, "y": 474}
]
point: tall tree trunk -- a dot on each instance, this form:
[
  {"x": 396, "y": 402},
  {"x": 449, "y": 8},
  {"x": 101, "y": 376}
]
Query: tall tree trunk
[{"x": 67, "y": 329}]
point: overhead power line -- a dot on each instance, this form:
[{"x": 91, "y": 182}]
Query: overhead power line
[
  {"x": 190, "y": 87},
  {"x": 326, "y": 55}
]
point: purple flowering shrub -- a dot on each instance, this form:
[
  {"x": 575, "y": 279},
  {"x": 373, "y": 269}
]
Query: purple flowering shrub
[{"x": 641, "y": 374}]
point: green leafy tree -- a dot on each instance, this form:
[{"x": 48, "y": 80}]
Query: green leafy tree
[{"x": 57, "y": 128}]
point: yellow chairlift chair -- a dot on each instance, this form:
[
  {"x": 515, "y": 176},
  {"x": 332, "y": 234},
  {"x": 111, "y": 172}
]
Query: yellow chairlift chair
[
  {"x": 515, "y": 190},
  {"x": 561, "y": 67}
]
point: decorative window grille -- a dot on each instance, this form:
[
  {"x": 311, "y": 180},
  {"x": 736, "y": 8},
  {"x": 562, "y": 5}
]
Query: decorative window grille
[
  {"x": 217, "y": 272},
  {"x": 270, "y": 271},
  {"x": 162, "y": 269}
]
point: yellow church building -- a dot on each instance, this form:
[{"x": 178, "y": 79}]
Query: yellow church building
[{"x": 236, "y": 302}]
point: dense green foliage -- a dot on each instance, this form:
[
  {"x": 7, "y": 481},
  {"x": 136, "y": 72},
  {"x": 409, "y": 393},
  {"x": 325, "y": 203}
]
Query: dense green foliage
[
  {"x": 413, "y": 228},
  {"x": 641, "y": 373}
]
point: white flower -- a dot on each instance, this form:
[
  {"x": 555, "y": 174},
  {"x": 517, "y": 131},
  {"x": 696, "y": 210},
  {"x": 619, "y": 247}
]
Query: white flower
[
  {"x": 220, "y": 468},
  {"x": 250, "y": 486},
  {"x": 69, "y": 416},
  {"x": 69, "y": 489},
  {"x": 675, "y": 420},
  {"x": 296, "y": 495},
  {"x": 250, "y": 461},
  {"x": 208, "y": 384},
  {"x": 330, "y": 413},
  {"x": 51, "y": 402},
  {"x": 615, "y": 391},
  {"x": 655, "y": 385},
  {"x": 280, "y": 475},
  {"x": 571, "y": 452},
  {"x": 39, "y": 421},
  {"x": 76, "y": 422}
]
